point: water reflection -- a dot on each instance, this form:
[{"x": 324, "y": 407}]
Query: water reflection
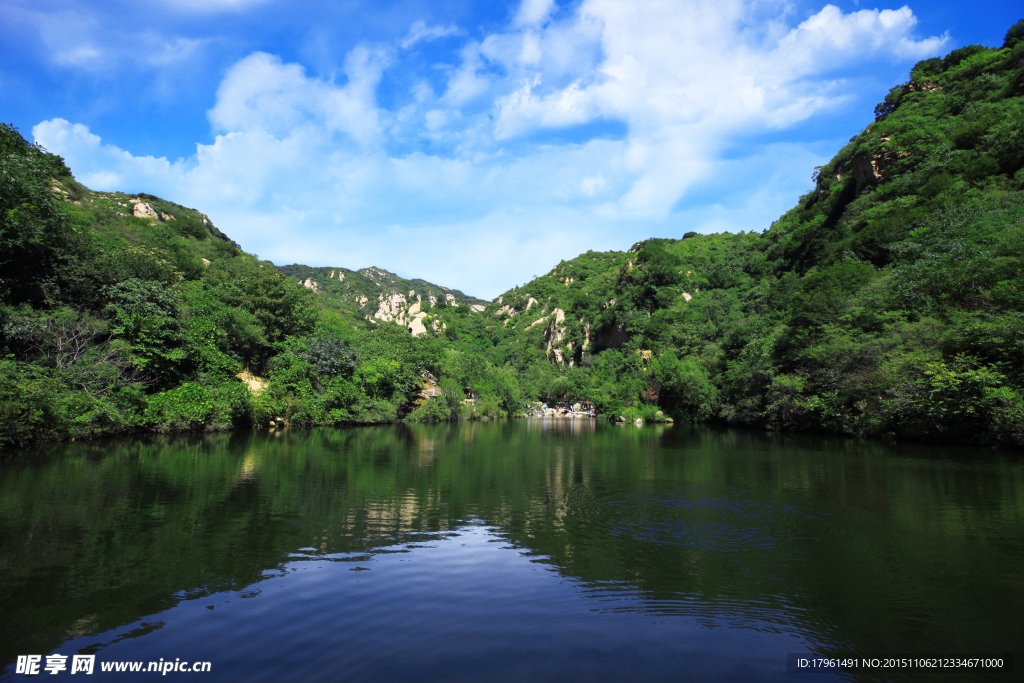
[{"x": 513, "y": 539}]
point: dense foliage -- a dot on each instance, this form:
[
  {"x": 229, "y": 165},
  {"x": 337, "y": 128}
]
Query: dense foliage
[{"x": 888, "y": 302}]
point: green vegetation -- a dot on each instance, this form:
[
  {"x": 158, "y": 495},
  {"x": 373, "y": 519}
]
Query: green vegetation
[{"x": 889, "y": 302}]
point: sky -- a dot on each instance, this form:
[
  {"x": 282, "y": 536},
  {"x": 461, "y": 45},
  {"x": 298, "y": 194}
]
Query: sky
[{"x": 471, "y": 144}]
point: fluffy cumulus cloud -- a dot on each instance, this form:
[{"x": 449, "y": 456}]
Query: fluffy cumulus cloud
[
  {"x": 260, "y": 93},
  {"x": 573, "y": 128}
]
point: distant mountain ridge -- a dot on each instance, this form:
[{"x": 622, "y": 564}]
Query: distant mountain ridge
[{"x": 380, "y": 295}]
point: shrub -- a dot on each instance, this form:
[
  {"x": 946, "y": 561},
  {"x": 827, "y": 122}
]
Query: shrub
[
  {"x": 329, "y": 356},
  {"x": 185, "y": 407}
]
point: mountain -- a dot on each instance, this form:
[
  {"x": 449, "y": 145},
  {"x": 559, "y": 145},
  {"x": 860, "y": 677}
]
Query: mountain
[
  {"x": 889, "y": 302},
  {"x": 379, "y": 295}
]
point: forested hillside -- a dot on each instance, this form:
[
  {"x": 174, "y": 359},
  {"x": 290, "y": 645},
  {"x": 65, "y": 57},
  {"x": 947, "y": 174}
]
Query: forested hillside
[{"x": 888, "y": 302}]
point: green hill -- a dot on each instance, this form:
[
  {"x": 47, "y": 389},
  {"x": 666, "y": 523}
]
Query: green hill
[{"x": 888, "y": 302}]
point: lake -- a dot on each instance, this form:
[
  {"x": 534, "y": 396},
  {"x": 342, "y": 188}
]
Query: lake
[{"x": 520, "y": 550}]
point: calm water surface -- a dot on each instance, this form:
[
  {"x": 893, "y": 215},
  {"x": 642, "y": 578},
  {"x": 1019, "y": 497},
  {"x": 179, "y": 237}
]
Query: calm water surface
[{"x": 525, "y": 550}]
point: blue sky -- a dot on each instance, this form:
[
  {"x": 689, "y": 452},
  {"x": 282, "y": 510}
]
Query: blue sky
[{"x": 473, "y": 144}]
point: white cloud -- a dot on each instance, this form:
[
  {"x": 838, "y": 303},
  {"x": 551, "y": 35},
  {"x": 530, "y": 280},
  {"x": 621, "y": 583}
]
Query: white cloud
[
  {"x": 419, "y": 32},
  {"x": 534, "y": 12},
  {"x": 457, "y": 188},
  {"x": 260, "y": 93},
  {"x": 163, "y": 52},
  {"x": 82, "y": 40},
  {"x": 466, "y": 83},
  {"x": 830, "y": 38},
  {"x": 104, "y": 166},
  {"x": 71, "y": 39}
]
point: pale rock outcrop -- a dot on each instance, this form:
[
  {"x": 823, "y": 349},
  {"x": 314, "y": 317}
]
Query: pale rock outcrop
[
  {"x": 310, "y": 285},
  {"x": 166, "y": 216},
  {"x": 362, "y": 301},
  {"x": 531, "y": 302},
  {"x": 477, "y": 308},
  {"x": 143, "y": 210},
  {"x": 687, "y": 296},
  {"x": 205, "y": 262},
  {"x": 506, "y": 309},
  {"x": 451, "y": 300},
  {"x": 536, "y": 322},
  {"x": 255, "y": 384},
  {"x": 391, "y": 308},
  {"x": 555, "y": 333},
  {"x": 416, "y": 326}
]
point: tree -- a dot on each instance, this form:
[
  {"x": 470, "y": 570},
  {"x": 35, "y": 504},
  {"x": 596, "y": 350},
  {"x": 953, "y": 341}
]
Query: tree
[{"x": 36, "y": 239}]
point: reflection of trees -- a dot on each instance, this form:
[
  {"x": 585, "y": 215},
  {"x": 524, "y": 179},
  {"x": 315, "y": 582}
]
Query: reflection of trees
[{"x": 685, "y": 517}]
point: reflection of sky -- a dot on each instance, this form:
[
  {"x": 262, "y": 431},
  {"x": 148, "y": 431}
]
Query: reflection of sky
[{"x": 456, "y": 606}]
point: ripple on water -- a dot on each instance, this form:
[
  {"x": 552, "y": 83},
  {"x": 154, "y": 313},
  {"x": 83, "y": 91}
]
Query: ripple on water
[{"x": 700, "y": 521}]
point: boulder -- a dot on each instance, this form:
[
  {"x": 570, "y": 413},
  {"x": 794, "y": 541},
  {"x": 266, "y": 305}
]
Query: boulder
[
  {"x": 143, "y": 210},
  {"x": 416, "y": 326}
]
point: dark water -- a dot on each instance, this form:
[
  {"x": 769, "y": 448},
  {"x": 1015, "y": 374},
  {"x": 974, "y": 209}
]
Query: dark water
[{"x": 522, "y": 550}]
